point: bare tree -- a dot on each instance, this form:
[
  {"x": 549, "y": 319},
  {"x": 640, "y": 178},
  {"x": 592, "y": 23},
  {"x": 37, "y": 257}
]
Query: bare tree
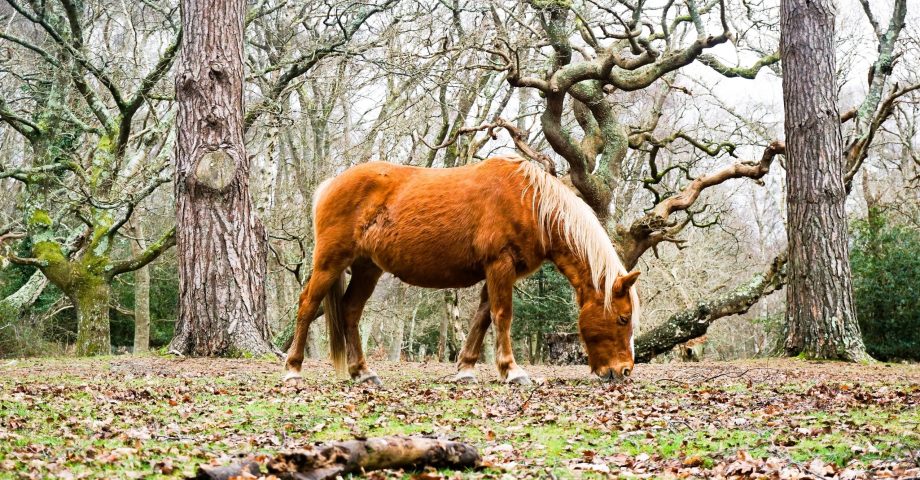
[{"x": 89, "y": 165}]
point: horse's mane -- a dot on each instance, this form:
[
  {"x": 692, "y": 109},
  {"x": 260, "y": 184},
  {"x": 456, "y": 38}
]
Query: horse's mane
[
  {"x": 317, "y": 196},
  {"x": 558, "y": 207}
]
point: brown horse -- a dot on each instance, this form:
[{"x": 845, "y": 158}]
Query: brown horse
[{"x": 497, "y": 220}]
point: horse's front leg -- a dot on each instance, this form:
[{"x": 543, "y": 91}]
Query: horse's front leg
[
  {"x": 466, "y": 367},
  {"x": 364, "y": 276},
  {"x": 500, "y": 277}
]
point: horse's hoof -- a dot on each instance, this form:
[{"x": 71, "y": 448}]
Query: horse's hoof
[
  {"x": 291, "y": 377},
  {"x": 369, "y": 378},
  {"x": 518, "y": 377},
  {"x": 465, "y": 376}
]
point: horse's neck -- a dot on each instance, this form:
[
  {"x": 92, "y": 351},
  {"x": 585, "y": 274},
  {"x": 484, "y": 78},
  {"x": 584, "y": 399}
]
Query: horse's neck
[{"x": 574, "y": 268}]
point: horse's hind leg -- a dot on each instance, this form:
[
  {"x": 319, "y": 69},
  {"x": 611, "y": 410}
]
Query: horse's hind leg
[
  {"x": 312, "y": 295},
  {"x": 332, "y": 255},
  {"x": 364, "y": 276},
  {"x": 500, "y": 277},
  {"x": 466, "y": 367}
]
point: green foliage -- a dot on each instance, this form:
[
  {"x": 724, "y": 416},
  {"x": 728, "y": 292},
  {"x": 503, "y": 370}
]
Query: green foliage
[
  {"x": 543, "y": 303},
  {"x": 885, "y": 261},
  {"x": 429, "y": 334},
  {"x": 164, "y": 305}
]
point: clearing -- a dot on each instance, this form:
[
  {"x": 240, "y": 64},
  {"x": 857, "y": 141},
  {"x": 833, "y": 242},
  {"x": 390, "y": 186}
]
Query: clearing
[{"x": 154, "y": 417}]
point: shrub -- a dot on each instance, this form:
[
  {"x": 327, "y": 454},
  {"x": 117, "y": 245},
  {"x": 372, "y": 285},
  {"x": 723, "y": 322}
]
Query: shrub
[{"x": 885, "y": 260}]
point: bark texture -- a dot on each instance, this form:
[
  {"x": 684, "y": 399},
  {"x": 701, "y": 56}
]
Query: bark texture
[
  {"x": 221, "y": 241},
  {"x": 564, "y": 348},
  {"x": 820, "y": 314},
  {"x": 25, "y": 296},
  {"x": 91, "y": 296},
  {"x": 354, "y": 456}
]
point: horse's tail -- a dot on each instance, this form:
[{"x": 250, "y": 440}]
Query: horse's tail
[{"x": 335, "y": 323}]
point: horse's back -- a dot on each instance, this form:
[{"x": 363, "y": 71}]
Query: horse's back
[
  {"x": 431, "y": 227},
  {"x": 373, "y": 184}
]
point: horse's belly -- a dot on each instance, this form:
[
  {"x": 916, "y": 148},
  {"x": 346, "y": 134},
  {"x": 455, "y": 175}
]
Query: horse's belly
[
  {"x": 428, "y": 267},
  {"x": 436, "y": 280},
  {"x": 425, "y": 254}
]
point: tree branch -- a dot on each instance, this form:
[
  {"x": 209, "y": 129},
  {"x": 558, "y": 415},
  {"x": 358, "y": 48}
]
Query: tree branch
[
  {"x": 694, "y": 322},
  {"x": 154, "y": 250},
  {"x": 691, "y": 192},
  {"x": 744, "y": 72},
  {"x": 517, "y": 136},
  {"x": 32, "y": 262},
  {"x": 132, "y": 203},
  {"x": 26, "y": 175},
  {"x": 22, "y": 125},
  {"x": 149, "y": 81},
  {"x": 308, "y": 60},
  {"x": 657, "y": 226}
]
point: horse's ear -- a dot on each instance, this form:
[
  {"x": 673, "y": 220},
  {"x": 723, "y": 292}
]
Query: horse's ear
[{"x": 623, "y": 282}]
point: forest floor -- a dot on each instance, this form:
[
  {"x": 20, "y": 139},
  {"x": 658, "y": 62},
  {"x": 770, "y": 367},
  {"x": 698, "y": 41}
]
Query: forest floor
[{"x": 153, "y": 417}]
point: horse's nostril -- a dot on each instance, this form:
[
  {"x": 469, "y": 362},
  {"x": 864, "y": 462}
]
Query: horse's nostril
[{"x": 626, "y": 372}]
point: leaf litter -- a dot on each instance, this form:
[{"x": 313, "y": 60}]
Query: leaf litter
[{"x": 156, "y": 417}]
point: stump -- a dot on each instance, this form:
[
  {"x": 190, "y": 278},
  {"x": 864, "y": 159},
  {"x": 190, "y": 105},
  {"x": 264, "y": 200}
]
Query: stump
[{"x": 564, "y": 349}]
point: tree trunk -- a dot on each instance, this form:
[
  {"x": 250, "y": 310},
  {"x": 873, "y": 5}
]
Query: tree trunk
[
  {"x": 221, "y": 241},
  {"x": 820, "y": 315},
  {"x": 396, "y": 343},
  {"x": 488, "y": 350},
  {"x": 91, "y": 296},
  {"x": 410, "y": 350},
  {"x": 444, "y": 330},
  {"x": 564, "y": 348},
  {"x": 141, "y": 292}
]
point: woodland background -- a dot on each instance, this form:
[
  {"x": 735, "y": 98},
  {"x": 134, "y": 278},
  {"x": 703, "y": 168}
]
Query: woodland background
[{"x": 87, "y": 110}]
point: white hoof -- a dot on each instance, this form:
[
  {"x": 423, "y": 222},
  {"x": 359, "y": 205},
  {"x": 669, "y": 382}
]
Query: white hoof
[
  {"x": 291, "y": 377},
  {"x": 465, "y": 376},
  {"x": 518, "y": 376}
]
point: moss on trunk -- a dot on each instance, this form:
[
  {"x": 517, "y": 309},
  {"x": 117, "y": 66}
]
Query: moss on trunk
[
  {"x": 91, "y": 300},
  {"x": 86, "y": 284}
]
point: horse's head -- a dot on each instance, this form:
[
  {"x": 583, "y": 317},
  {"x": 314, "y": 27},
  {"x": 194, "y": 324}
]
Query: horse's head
[{"x": 608, "y": 330}]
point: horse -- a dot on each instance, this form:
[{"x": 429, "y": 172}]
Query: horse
[{"x": 497, "y": 220}]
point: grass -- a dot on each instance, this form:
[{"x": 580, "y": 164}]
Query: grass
[{"x": 153, "y": 417}]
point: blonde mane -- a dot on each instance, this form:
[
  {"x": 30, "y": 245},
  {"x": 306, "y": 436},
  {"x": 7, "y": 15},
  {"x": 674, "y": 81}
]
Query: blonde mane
[{"x": 557, "y": 207}]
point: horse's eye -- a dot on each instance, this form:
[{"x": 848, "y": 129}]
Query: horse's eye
[{"x": 623, "y": 321}]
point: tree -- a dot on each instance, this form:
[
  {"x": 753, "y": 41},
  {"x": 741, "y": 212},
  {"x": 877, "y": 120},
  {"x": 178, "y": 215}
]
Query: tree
[
  {"x": 141, "y": 293},
  {"x": 87, "y": 167},
  {"x": 820, "y": 315},
  {"x": 221, "y": 241}
]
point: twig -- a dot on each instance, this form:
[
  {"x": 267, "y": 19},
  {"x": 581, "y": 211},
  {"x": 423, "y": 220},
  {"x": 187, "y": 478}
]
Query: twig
[
  {"x": 517, "y": 135},
  {"x": 533, "y": 392},
  {"x": 734, "y": 374}
]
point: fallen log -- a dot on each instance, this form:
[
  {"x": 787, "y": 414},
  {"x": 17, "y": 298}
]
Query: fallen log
[{"x": 352, "y": 456}]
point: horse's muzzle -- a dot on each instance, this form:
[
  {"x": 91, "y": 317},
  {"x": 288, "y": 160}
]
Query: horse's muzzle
[{"x": 610, "y": 374}]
